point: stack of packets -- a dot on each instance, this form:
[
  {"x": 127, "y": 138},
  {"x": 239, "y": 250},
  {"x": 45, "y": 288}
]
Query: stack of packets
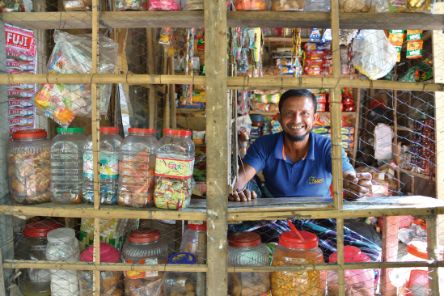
[
  {"x": 266, "y": 101},
  {"x": 20, "y": 58},
  {"x": 318, "y": 59},
  {"x": 414, "y": 41}
]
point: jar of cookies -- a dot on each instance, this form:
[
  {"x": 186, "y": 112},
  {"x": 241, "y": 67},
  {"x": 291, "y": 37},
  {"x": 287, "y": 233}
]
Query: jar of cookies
[
  {"x": 181, "y": 283},
  {"x": 287, "y": 5},
  {"x": 251, "y": 4},
  {"x": 110, "y": 281},
  {"x": 29, "y": 168}
]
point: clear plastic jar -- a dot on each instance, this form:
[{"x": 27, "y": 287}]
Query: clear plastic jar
[
  {"x": 194, "y": 241},
  {"x": 130, "y": 4},
  {"x": 164, "y": 5},
  {"x": 33, "y": 282},
  {"x": 144, "y": 247},
  {"x": 29, "y": 166},
  {"x": 251, "y": 4},
  {"x": 246, "y": 249},
  {"x": 181, "y": 283},
  {"x": 357, "y": 281},
  {"x": 77, "y": 5},
  {"x": 110, "y": 142},
  {"x": 137, "y": 160},
  {"x": 192, "y": 5},
  {"x": 317, "y": 5},
  {"x": 111, "y": 283},
  {"x": 174, "y": 170},
  {"x": 292, "y": 250},
  {"x": 287, "y": 5},
  {"x": 63, "y": 246},
  {"x": 66, "y": 165}
]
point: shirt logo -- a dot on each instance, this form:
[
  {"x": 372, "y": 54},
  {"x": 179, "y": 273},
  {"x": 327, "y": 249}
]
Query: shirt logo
[{"x": 314, "y": 180}]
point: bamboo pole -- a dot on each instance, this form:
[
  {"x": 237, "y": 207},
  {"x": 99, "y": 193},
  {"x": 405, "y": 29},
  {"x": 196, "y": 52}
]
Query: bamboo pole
[
  {"x": 432, "y": 250},
  {"x": 152, "y": 99},
  {"x": 2, "y": 273}
]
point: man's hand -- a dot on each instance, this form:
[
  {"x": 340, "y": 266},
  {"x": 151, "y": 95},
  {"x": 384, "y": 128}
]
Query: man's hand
[
  {"x": 242, "y": 195},
  {"x": 357, "y": 185}
]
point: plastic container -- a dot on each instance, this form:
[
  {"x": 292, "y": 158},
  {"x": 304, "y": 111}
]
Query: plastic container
[
  {"x": 181, "y": 283},
  {"x": 63, "y": 246},
  {"x": 66, "y": 165},
  {"x": 292, "y": 250},
  {"x": 164, "y": 5},
  {"x": 287, "y": 5},
  {"x": 130, "y": 4},
  {"x": 317, "y": 5},
  {"x": 70, "y": 5},
  {"x": 355, "y": 5},
  {"x": 357, "y": 281},
  {"x": 111, "y": 282},
  {"x": 194, "y": 241},
  {"x": 246, "y": 249},
  {"x": 251, "y": 4},
  {"x": 33, "y": 282},
  {"x": 174, "y": 170},
  {"x": 137, "y": 160},
  {"x": 110, "y": 142},
  {"x": 144, "y": 247},
  {"x": 192, "y": 5}
]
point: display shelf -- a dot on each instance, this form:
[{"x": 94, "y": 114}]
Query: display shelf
[{"x": 415, "y": 174}]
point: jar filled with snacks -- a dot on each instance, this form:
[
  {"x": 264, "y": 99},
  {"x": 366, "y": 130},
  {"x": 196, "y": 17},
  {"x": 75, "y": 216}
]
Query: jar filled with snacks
[
  {"x": 32, "y": 281},
  {"x": 144, "y": 247},
  {"x": 251, "y": 4},
  {"x": 174, "y": 170},
  {"x": 110, "y": 142},
  {"x": 130, "y": 4},
  {"x": 181, "y": 283},
  {"x": 194, "y": 241},
  {"x": 29, "y": 166},
  {"x": 297, "y": 248},
  {"x": 355, "y": 5},
  {"x": 110, "y": 281},
  {"x": 246, "y": 249},
  {"x": 192, "y": 5},
  {"x": 287, "y": 5},
  {"x": 164, "y": 5},
  {"x": 66, "y": 165},
  {"x": 70, "y": 5},
  {"x": 137, "y": 159}
]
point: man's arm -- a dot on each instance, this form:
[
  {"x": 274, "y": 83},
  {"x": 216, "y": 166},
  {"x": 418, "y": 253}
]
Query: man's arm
[{"x": 240, "y": 193}]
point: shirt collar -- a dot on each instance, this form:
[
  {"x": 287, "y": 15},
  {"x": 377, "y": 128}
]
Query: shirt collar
[{"x": 280, "y": 145}]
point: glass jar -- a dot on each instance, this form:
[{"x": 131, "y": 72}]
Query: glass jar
[
  {"x": 317, "y": 5},
  {"x": 130, "y": 4},
  {"x": 293, "y": 250},
  {"x": 77, "y": 5},
  {"x": 251, "y": 4},
  {"x": 144, "y": 247},
  {"x": 137, "y": 160},
  {"x": 29, "y": 171},
  {"x": 110, "y": 142},
  {"x": 192, "y": 5},
  {"x": 357, "y": 281},
  {"x": 194, "y": 241},
  {"x": 33, "y": 282},
  {"x": 63, "y": 246},
  {"x": 181, "y": 283},
  {"x": 66, "y": 165},
  {"x": 246, "y": 249},
  {"x": 174, "y": 170},
  {"x": 164, "y": 5},
  {"x": 287, "y": 5},
  {"x": 110, "y": 281}
]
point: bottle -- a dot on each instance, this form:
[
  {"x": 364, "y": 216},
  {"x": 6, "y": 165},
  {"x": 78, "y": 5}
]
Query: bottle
[
  {"x": 110, "y": 142},
  {"x": 194, "y": 241},
  {"x": 66, "y": 165}
]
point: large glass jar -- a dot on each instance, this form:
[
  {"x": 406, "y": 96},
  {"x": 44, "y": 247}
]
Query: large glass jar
[
  {"x": 192, "y": 5},
  {"x": 251, "y": 4},
  {"x": 317, "y": 5},
  {"x": 292, "y": 250},
  {"x": 164, "y": 5},
  {"x": 130, "y": 4},
  {"x": 357, "y": 281},
  {"x": 35, "y": 282},
  {"x": 110, "y": 281},
  {"x": 66, "y": 165},
  {"x": 194, "y": 241},
  {"x": 77, "y": 4},
  {"x": 110, "y": 142},
  {"x": 29, "y": 167},
  {"x": 181, "y": 283},
  {"x": 136, "y": 168},
  {"x": 63, "y": 246},
  {"x": 174, "y": 171},
  {"x": 144, "y": 247},
  {"x": 246, "y": 249},
  {"x": 287, "y": 5}
]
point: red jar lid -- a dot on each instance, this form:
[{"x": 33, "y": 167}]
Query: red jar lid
[
  {"x": 418, "y": 249},
  {"x": 197, "y": 227},
  {"x": 108, "y": 254},
  {"x": 167, "y": 131},
  {"x": 145, "y": 131},
  {"x": 351, "y": 254},
  {"x": 244, "y": 240},
  {"x": 109, "y": 130},
  {"x": 292, "y": 241},
  {"x": 40, "y": 228},
  {"x": 184, "y": 133},
  {"x": 175, "y": 132},
  {"x": 144, "y": 236},
  {"x": 30, "y": 134}
]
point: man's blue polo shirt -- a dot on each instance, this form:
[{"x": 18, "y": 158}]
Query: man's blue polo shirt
[{"x": 308, "y": 177}]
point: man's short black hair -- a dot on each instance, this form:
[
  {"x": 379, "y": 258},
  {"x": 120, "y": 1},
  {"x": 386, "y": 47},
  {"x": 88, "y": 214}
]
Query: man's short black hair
[{"x": 297, "y": 93}]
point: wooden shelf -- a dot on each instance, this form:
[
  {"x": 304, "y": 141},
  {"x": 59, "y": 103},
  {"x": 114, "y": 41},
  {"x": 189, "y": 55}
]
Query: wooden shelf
[
  {"x": 190, "y": 111},
  {"x": 187, "y": 19},
  {"x": 415, "y": 174}
]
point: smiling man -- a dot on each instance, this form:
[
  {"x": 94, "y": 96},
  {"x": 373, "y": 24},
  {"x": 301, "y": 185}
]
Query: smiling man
[{"x": 296, "y": 162}]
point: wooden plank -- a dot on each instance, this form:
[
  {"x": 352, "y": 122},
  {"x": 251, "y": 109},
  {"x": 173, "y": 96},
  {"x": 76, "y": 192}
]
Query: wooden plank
[
  {"x": 432, "y": 250},
  {"x": 389, "y": 252},
  {"x": 2, "y": 274},
  {"x": 152, "y": 96}
]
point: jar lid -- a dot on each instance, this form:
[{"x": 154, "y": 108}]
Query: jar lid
[
  {"x": 244, "y": 239},
  {"x": 197, "y": 227},
  {"x": 108, "y": 254},
  {"x": 293, "y": 241},
  {"x": 418, "y": 249},
  {"x": 136, "y": 130},
  {"x": 144, "y": 236},
  {"x": 70, "y": 130},
  {"x": 30, "y": 134},
  {"x": 184, "y": 133},
  {"x": 175, "y": 132},
  {"x": 63, "y": 234},
  {"x": 40, "y": 228},
  {"x": 351, "y": 254},
  {"x": 109, "y": 130},
  {"x": 182, "y": 258},
  {"x": 167, "y": 131}
]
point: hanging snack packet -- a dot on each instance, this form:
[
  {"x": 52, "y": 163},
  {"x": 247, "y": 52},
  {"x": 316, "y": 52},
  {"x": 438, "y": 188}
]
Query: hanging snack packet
[
  {"x": 414, "y": 44},
  {"x": 396, "y": 38}
]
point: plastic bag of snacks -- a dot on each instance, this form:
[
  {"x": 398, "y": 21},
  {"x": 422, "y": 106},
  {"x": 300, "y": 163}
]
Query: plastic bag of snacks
[
  {"x": 404, "y": 5},
  {"x": 77, "y": 4},
  {"x": 72, "y": 54},
  {"x": 251, "y": 4},
  {"x": 130, "y": 4},
  {"x": 287, "y": 5},
  {"x": 355, "y": 5},
  {"x": 163, "y": 5},
  {"x": 192, "y": 5}
]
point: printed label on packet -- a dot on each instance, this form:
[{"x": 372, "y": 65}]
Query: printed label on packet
[
  {"x": 174, "y": 168},
  {"x": 109, "y": 165},
  {"x": 135, "y": 274},
  {"x": 20, "y": 102}
]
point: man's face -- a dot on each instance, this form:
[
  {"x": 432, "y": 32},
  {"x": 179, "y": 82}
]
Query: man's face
[{"x": 297, "y": 117}]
